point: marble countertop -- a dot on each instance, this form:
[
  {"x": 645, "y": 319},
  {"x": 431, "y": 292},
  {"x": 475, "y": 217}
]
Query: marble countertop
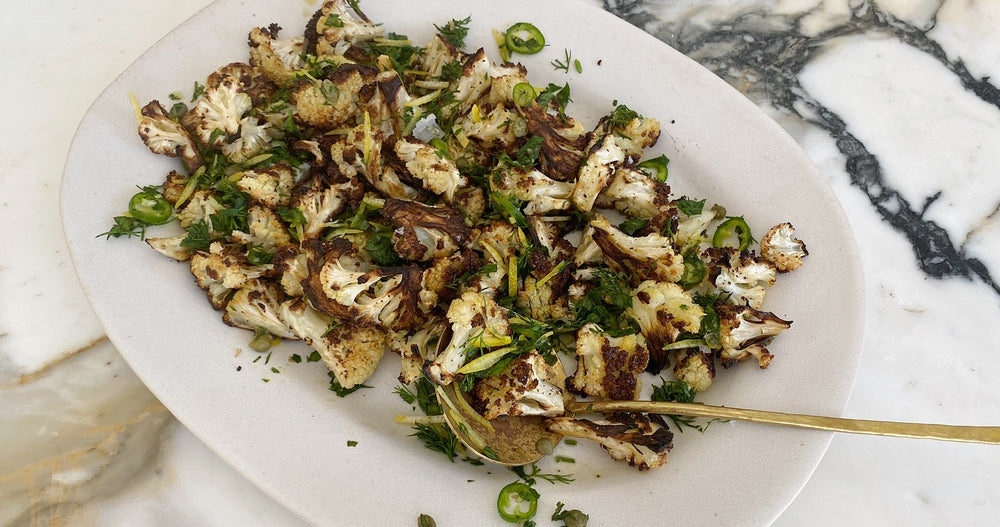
[{"x": 893, "y": 100}]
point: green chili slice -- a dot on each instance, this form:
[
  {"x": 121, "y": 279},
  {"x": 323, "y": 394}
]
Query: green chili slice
[
  {"x": 523, "y": 94},
  {"x": 733, "y": 226},
  {"x": 150, "y": 207},
  {"x": 695, "y": 270},
  {"x": 524, "y": 38},
  {"x": 517, "y": 502},
  {"x": 655, "y": 168}
]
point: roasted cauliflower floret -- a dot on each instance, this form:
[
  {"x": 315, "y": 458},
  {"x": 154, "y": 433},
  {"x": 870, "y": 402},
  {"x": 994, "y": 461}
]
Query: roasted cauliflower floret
[
  {"x": 165, "y": 136},
  {"x": 608, "y": 367},
  {"x": 640, "y": 440},
  {"x": 200, "y": 207},
  {"x": 664, "y": 310},
  {"x": 329, "y": 102},
  {"x": 475, "y": 80},
  {"x": 415, "y": 348},
  {"x": 542, "y": 193},
  {"x": 637, "y": 135},
  {"x": 476, "y": 321},
  {"x": 220, "y": 108},
  {"x": 339, "y": 285},
  {"x": 743, "y": 330},
  {"x": 601, "y": 162},
  {"x": 436, "y": 173},
  {"x": 742, "y": 277},
  {"x": 270, "y": 187},
  {"x": 223, "y": 269},
  {"x": 278, "y": 59},
  {"x": 503, "y": 79},
  {"x": 320, "y": 201},
  {"x": 258, "y": 305},
  {"x": 440, "y": 282},
  {"x": 267, "y": 232},
  {"x": 527, "y": 386},
  {"x": 780, "y": 247},
  {"x": 693, "y": 230},
  {"x": 423, "y": 232},
  {"x": 437, "y": 53},
  {"x": 650, "y": 257},
  {"x": 171, "y": 247},
  {"x": 540, "y": 301},
  {"x": 635, "y": 194},
  {"x": 337, "y": 26},
  {"x": 253, "y": 139},
  {"x": 493, "y": 131},
  {"x": 695, "y": 368},
  {"x": 352, "y": 353}
]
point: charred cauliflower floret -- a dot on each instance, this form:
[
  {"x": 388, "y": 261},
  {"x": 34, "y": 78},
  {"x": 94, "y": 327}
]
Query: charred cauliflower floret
[
  {"x": 540, "y": 301},
  {"x": 564, "y": 141},
  {"x": 476, "y": 321},
  {"x": 320, "y": 201},
  {"x": 258, "y": 305},
  {"x": 635, "y": 194},
  {"x": 278, "y": 59},
  {"x": 494, "y": 130},
  {"x": 741, "y": 275},
  {"x": 603, "y": 158},
  {"x": 587, "y": 251},
  {"x": 503, "y": 79},
  {"x": 475, "y": 80},
  {"x": 640, "y": 440},
  {"x": 223, "y": 269},
  {"x": 339, "y": 285},
  {"x": 650, "y": 257},
  {"x": 440, "y": 281},
  {"x": 171, "y": 247},
  {"x": 780, "y": 247},
  {"x": 220, "y": 109},
  {"x": 423, "y": 232},
  {"x": 743, "y": 331},
  {"x": 438, "y": 53},
  {"x": 436, "y": 172},
  {"x": 637, "y": 135},
  {"x": 542, "y": 193},
  {"x": 693, "y": 230},
  {"x": 338, "y": 25},
  {"x": 694, "y": 367},
  {"x": 352, "y": 353},
  {"x": 253, "y": 139},
  {"x": 415, "y": 348},
  {"x": 334, "y": 100},
  {"x": 270, "y": 187},
  {"x": 199, "y": 207},
  {"x": 267, "y": 232},
  {"x": 527, "y": 386},
  {"x": 608, "y": 367},
  {"x": 165, "y": 136},
  {"x": 664, "y": 310}
]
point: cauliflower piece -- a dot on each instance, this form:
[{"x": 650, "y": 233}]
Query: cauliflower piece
[
  {"x": 503, "y": 79},
  {"x": 640, "y": 440},
  {"x": 493, "y": 131},
  {"x": 542, "y": 193},
  {"x": 387, "y": 103},
  {"x": 637, "y": 135},
  {"x": 352, "y": 353},
  {"x": 171, "y": 247},
  {"x": 319, "y": 202},
  {"x": 257, "y": 305},
  {"x": 635, "y": 194},
  {"x": 695, "y": 368},
  {"x": 743, "y": 330},
  {"x": 423, "y": 232},
  {"x": 602, "y": 160},
  {"x": 437, "y": 53},
  {"x": 664, "y": 310},
  {"x": 440, "y": 281},
  {"x": 165, "y": 136},
  {"x": 200, "y": 207},
  {"x": 564, "y": 141},
  {"x": 329, "y": 102},
  {"x": 223, "y": 269},
  {"x": 253, "y": 139},
  {"x": 650, "y": 257},
  {"x": 742, "y": 276},
  {"x": 588, "y": 252},
  {"x": 292, "y": 266},
  {"x": 541, "y": 301},
  {"x": 527, "y": 386},
  {"x": 496, "y": 242},
  {"x": 475, "y": 80},
  {"x": 475, "y": 321},
  {"x": 339, "y": 285},
  {"x": 608, "y": 367},
  {"x": 780, "y": 247},
  {"x": 338, "y": 25},
  {"x": 279, "y": 59},
  {"x": 414, "y": 348},
  {"x": 270, "y": 187},
  {"x": 691, "y": 230},
  {"x": 266, "y": 230},
  {"x": 253, "y": 81},
  {"x": 438, "y": 174},
  {"x": 221, "y": 107}
]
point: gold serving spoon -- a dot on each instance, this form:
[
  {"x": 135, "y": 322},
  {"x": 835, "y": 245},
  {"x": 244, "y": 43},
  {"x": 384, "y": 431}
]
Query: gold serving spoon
[{"x": 516, "y": 441}]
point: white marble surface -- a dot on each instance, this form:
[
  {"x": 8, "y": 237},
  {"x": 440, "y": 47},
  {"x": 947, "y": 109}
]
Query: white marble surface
[{"x": 892, "y": 100}]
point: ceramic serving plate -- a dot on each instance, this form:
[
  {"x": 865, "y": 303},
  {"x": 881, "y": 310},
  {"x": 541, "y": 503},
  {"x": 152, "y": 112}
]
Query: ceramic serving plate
[{"x": 345, "y": 461}]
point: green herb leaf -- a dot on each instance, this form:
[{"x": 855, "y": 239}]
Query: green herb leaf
[
  {"x": 690, "y": 206},
  {"x": 379, "y": 247},
  {"x": 455, "y": 31},
  {"x": 336, "y": 388}
]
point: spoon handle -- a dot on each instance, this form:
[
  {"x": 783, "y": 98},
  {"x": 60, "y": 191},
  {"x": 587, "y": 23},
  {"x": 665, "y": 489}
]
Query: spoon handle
[{"x": 968, "y": 434}]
